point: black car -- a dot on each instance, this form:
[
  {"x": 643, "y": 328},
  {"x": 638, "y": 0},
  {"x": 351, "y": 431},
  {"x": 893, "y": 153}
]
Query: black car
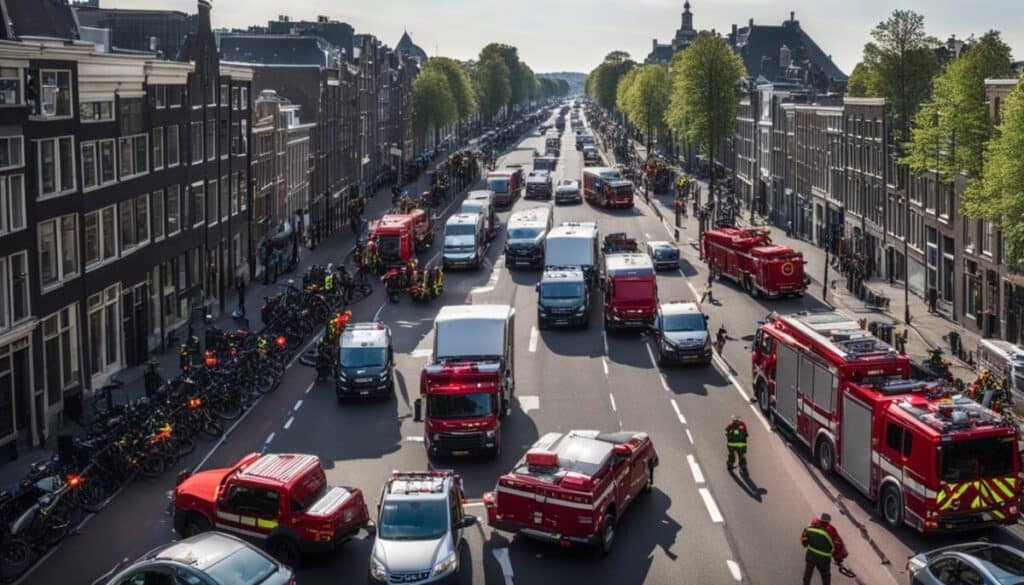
[
  {"x": 208, "y": 558},
  {"x": 366, "y": 362},
  {"x": 663, "y": 254},
  {"x": 972, "y": 563},
  {"x": 681, "y": 334},
  {"x": 563, "y": 299}
]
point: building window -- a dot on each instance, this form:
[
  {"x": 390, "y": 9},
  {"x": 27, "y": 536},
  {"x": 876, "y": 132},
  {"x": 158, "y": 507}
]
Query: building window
[
  {"x": 12, "y": 203},
  {"x": 142, "y": 220},
  {"x": 198, "y": 204},
  {"x": 14, "y": 302},
  {"x": 160, "y": 96},
  {"x": 91, "y": 112},
  {"x": 56, "y": 160},
  {"x": 234, "y": 194},
  {"x": 54, "y": 94},
  {"x": 158, "y": 148},
  {"x": 225, "y": 198},
  {"x": 223, "y": 138},
  {"x": 100, "y": 236},
  {"x": 197, "y": 142},
  {"x": 10, "y": 86},
  {"x": 12, "y": 152},
  {"x": 58, "y": 250},
  {"x": 211, "y": 139},
  {"x": 134, "y": 155},
  {"x": 60, "y": 349},
  {"x": 97, "y": 164},
  {"x": 244, "y": 138},
  {"x": 235, "y": 126},
  {"x": 968, "y": 234},
  {"x": 174, "y": 95},
  {"x": 988, "y": 237},
  {"x": 130, "y": 113},
  {"x": 126, "y": 217},
  {"x": 224, "y": 94},
  {"x": 104, "y": 330},
  {"x": 158, "y": 215},
  {"x": 211, "y": 201},
  {"x": 173, "y": 146},
  {"x": 173, "y": 210},
  {"x": 236, "y": 98},
  {"x": 245, "y": 98}
]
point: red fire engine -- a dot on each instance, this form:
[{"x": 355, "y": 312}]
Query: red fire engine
[
  {"x": 399, "y": 236},
  {"x": 572, "y": 488},
  {"x": 748, "y": 257},
  {"x": 932, "y": 460}
]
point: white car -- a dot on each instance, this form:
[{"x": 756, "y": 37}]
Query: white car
[{"x": 568, "y": 191}]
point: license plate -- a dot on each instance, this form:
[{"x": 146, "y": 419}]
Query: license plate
[
  {"x": 363, "y": 380},
  {"x": 562, "y": 322},
  {"x": 458, "y": 453},
  {"x": 364, "y": 393},
  {"x": 689, "y": 358}
]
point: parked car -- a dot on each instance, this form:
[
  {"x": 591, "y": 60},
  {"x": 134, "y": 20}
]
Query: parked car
[{"x": 971, "y": 563}]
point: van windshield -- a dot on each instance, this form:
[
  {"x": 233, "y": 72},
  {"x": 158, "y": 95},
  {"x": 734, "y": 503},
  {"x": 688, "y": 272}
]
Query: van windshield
[
  {"x": 523, "y": 233},
  {"x": 687, "y": 322},
  {"x": 498, "y": 185},
  {"x": 363, "y": 357},
  {"x": 977, "y": 458},
  {"x": 460, "y": 229},
  {"x": 561, "y": 290},
  {"x": 472, "y": 207},
  {"x": 474, "y": 405}
]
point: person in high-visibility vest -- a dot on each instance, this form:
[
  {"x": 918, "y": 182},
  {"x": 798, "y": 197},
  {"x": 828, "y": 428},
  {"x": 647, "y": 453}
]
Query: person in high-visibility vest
[
  {"x": 438, "y": 281},
  {"x": 371, "y": 255},
  {"x": 822, "y": 543},
  {"x": 736, "y": 442}
]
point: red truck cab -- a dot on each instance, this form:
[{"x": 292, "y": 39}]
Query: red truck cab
[
  {"x": 573, "y": 488},
  {"x": 630, "y": 290},
  {"x": 507, "y": 184},
  {"x": 394, "y": 235},
  {"x": 281, "y": 501},
  {"x": 616, "y": 193}
]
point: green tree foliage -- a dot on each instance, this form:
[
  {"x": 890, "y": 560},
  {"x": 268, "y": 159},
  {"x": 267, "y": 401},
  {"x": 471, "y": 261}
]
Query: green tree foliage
[
  {"x": 901, "y": 63},
  {"x": 458, "y": 84},
  {"x": 603, "y": 81},
  {"x": 622, "y": 90},
  {"x": 951, "y": 132},
  {"x": 861, "y": 82},
  {"x": 551, "y": 87},
  {"x": 704, "y": 98},
  {"x": 433, "y": 105},
  {"x": 646, "y": 99},
  {"x": 519, "y": 76},
  {"x": 493, "y": 87},
  {"x": 999, "y": 195}
]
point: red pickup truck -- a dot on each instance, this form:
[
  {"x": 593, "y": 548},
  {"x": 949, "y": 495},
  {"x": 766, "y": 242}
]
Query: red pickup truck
[
  {"x": 281, "y": 501},
  {"x": 572, "y": 488}
]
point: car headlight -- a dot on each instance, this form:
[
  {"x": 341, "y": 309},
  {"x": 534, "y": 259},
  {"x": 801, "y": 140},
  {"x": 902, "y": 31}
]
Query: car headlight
[
  {"x": 582, "y": 309},
  {"x": 385, "y": 374},
  {"x": 667, "y": 345},
  {"x": 445, "y": 566},
  {"x": 377, "y": 570},
  {"x": 489, "y": 434}
]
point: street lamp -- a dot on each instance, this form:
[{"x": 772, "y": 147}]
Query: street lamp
[{"x": 905, "y": 201}]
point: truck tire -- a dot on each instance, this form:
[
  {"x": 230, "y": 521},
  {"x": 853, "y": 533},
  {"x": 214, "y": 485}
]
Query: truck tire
[
  {"x": 825, "y": 455},
  {"x": 284, "y": 550},
  {"x": 649, "y": 484},
  {"x": 762, "y": 397},
  {"x": 890, "y": 505},
  {"x": 607, "y": 533},
  {"x": 193, "y": 524}
]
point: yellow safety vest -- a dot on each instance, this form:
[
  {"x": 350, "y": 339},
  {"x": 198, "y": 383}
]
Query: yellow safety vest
[{"x": 824, "y": 534}]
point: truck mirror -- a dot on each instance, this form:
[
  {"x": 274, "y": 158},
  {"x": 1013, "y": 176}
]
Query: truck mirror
[
  {"x": 371, "y": 528},
  {"x": 417, "y": 410},
  {"x": 706, "y": 317},
  {"x": 536, "y": 287},
  {"x": 467, "y": 521}
]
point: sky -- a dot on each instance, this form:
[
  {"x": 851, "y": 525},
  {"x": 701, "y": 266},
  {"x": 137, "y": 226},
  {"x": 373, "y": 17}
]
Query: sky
[{"x": 574, "y": 35}]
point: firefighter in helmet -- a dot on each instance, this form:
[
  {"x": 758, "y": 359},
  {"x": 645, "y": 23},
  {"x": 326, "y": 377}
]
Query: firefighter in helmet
[
  {"x": 736, "y": 442},
  {"x": 329, "y": 279},
  {"x": 822, "y": 543},
  {"x": 373, "y": 259}
]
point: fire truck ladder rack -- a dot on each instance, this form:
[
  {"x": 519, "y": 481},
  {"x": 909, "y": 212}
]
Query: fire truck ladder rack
[
  {"x": 418, "y": 482},
  {"x": 840, "y": 335},
  {"x": 955, "y": 413}
]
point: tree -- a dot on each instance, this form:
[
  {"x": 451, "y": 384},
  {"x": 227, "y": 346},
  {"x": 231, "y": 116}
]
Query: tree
[
  {"x": 950, "y": 133},
  {"x": 458, "y": 84},
  {"x": 433, "y": 105},
  {"x": 704, "y": 99},
  {"x": 604, "y": 80},
  {"x": 647, "y": 98},
  {"x": 622, "y": 90},
  {"x": 861, "y": 82},
  {"x": 493, "y": 87},
  {"x": 902, "y": 63},
  {"x": 520, "y": 81},
  {"x": 999, "y": 195}
]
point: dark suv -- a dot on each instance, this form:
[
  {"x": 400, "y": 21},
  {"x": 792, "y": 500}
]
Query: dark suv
[
  {"x": 366, "y": 362},
  {"x": 563, "y": 299}
]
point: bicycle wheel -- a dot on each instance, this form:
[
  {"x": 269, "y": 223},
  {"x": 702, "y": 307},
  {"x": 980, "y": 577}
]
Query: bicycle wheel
[
  {"x": 225, "y": 409},
  {"x": 90, "y": 496},
  {"x": 15, "y": 558},
  {"x": 265, "y": 383},
  {"x": 151, "y": 465},
  {"x": 211, "y": 430}
]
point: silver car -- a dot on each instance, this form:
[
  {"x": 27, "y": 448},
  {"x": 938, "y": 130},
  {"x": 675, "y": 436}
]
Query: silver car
[
  {"x": 568, "y": 191},
  {"x": 974, "y": 563},
  {"x": 419, "y": 529}
]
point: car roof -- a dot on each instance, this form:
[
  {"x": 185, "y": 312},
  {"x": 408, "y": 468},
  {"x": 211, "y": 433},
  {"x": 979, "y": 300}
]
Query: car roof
[
  {"x": 454, "y": 312},
  {"x": 660, "y": 244},
  {"x": 562, "y": 274},
  {"x": 200, "y": 551},
  {"x": 365, "y": 335},
  {"x": 462, "y": 218},
  {"x": 679, "y": 308}
]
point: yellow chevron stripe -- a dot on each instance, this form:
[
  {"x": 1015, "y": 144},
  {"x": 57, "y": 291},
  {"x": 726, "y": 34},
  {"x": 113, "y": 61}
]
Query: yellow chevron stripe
[
  {"x": 998, "y": 514},
  {"x": 977, "y": 503},
  {"x": 940, "y": 496}
]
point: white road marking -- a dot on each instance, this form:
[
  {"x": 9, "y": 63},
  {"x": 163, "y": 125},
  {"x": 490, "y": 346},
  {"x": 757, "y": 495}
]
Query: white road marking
[
  {"x": 709, "y": 503},
  {"x": 415, "y": 438},
  {"x": 675, "y": 407},
  {"x": 298, "y": 404},
  {"x": 533, "y": 339},
  {"x": 612, "y": 398},
  {"x": 696, "y": 296},
  {"x": 698, "y": 475},
  {"x": 421, "y": 353},
  {"x": 270, "y": 438},
  {"x": 480, "y": 290},
  {"x": 724, "y": 369},
  {"x": 604, "y": 340},
  {"x": 501, "y": 555},
  {"x": 734, "y": 570},
  {"x": 528, "y": 403},
  {"x": 680, "y": 271},
  {"x": 376, "y": 316},
  {"x": 664, "y": 383},
  {"x": 288, "y": 424},
  {"x": 689, "y": 436},
  {"x": 650, "y": 353},
  {"x": 604, "y": 364}
]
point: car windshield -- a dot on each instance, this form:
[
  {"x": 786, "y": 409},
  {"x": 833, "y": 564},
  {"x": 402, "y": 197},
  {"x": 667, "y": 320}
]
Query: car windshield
[
  {"x": 687, "y": 322},
  {"x": 471, "y": 207},
  {"x": 245, "y": 566},
  {"x": 413, "y": 519},
  {"x": 363, "y": 357},
  {"x": 561, "y": 290},
  {"x": 977, "y": 458},
  {"x": 498, "y": 185},
  {"x": 523, "y": 233},
  {"x": 462, "y": 405},
  {"x": 460, "y": 229},
  {"x": 665, "y": 252}
]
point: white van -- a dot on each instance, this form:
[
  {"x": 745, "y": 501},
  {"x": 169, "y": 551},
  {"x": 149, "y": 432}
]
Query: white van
[
  {"x": 465, "y": 241},
  {"x": 484, "y": 208},
  {"x": 1005, "y": 361},
  {"x": 527, "y": 231},
  {"x": 574, "y": 244}
]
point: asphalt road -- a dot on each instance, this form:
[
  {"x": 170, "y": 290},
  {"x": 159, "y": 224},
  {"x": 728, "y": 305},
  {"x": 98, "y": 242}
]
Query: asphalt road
[{"x": 701, "y": 524}]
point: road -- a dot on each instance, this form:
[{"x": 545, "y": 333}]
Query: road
[{"x": 701, "y": 524}]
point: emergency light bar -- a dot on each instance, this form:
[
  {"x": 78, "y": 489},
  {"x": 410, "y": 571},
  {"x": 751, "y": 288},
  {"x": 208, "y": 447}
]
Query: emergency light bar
[
  {"x": 481, "y": 367},
  {"x": 542, "y": 459},
  {"x": 576, "y": 481}
]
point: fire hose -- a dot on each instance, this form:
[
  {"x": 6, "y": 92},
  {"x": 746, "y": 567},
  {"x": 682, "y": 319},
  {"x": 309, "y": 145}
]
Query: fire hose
[{"x": 845, "y": 572}]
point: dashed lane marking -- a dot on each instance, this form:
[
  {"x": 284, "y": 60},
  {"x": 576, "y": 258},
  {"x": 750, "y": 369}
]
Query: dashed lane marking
[
  {"x": 604, "y": 364},
  {"x": 698, "y": 475},
  {"x": 734, "y": 569},
  {"x": 288, "y": 424},
  {"x": 414, "y": 438},
  {"x": 612, "y": 398},
  {"x": 421, "y": 353},
  {"x": 650, "y": 354},
  {"x": 528, "y": 403},
  {"x": 533, "y": 339},
  {"x": 664, "y": 383},
  {"x": 724, "y": 369},
  {"x": 376, "y": 316},
  {"x": 298, "y": 404},
  {"x": 696, "y": 296},
  {"x": 675, "y": 407},
  {"x": 689, "y": 436},
  {"x": 709, "y": 503},
  {"x": 481, "y": 290},
  {"x": 270, "y": 438}
]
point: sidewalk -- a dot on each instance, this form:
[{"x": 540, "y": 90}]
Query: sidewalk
[{"x": 334, "y": 248}]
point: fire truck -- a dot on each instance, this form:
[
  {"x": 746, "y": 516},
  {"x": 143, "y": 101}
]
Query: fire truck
[
  {"x": 595, "y": 179},
  {"x": 399, "y": 236},
  {"x": 467, "y": 388},
  {"x": 572, "y": 488},
  {"x": 629, "y": 283},
  {"x": 931, "y": 459},
  {"x": 747, "y": 256}
]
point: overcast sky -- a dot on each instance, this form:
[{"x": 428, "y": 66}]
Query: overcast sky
[{"x": 573, "y": 35}]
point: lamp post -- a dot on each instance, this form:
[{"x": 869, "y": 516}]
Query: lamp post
[{"x": 905, "y": 201}]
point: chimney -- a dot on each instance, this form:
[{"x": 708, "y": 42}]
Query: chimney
[
  {"x": 734, "y": 31},
  {"x": 654, "y": 44},
  {"x": 154, "y": 44},
  {"x": 792, "y": 16},
  {"x": 750, "y": 23},
  {"x": 204, "y": 8},
  {"x": 321, "y": 19}
]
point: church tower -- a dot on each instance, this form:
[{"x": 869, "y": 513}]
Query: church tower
[{"x": 687, "y": 16}]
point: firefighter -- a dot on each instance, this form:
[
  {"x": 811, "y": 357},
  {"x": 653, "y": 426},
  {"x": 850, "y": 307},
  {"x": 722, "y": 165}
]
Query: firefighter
[
  {"x": 822, "y": 543},
  {"x": 329, "y": 279},
  {"x": 707, "y": 292},
  {"x": 736, "y": 442},
  {"x": 438, "y": 280},
  {"x": 373, "y": 259}
]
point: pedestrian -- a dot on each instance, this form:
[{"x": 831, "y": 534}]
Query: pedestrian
[
  {"x": 265, "y": 260},
  {"x": 736, "y": 443},
  {"x": 823, "y": 544},
  {"x": 241, "y": 281},
  {"x": 707, "y": 293}
]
